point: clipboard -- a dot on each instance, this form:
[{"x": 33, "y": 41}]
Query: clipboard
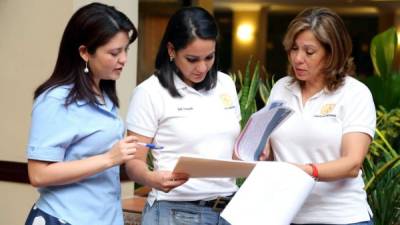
[{"x": 203, "y": 167}]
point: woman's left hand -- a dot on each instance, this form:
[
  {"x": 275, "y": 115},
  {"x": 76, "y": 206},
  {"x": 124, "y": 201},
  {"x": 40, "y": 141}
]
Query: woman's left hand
[
  {"x": 266, "y": 154},
  {"x": 166, "y": 181}
]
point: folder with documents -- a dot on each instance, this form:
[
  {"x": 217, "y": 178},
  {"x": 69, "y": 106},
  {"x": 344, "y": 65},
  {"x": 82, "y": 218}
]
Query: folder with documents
[
  {"x": 251, "y": 141},
  {"x": 248, "y": 147}
]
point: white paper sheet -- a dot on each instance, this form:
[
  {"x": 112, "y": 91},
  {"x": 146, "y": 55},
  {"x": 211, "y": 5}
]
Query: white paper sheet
[{"x": 272, "y": 195}]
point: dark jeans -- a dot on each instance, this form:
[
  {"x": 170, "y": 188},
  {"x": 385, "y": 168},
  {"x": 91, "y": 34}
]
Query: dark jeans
[{"x": 37, "y": 216}]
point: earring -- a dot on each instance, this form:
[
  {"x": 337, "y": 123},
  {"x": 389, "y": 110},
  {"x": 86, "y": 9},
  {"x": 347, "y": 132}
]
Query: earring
[
  {"x": 171, "y": 58},
  {"x": 86, "y": 70}
]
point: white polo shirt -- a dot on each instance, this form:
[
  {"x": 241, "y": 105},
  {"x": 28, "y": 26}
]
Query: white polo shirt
[
  {"x": 314, "y": 134},
  {"x": 201, "y": 123}
]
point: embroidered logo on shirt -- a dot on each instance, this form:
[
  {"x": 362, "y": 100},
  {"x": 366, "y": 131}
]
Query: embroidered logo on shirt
[
  {"x": 226, "y": 101},
  {"x": 326, "y": 110}
]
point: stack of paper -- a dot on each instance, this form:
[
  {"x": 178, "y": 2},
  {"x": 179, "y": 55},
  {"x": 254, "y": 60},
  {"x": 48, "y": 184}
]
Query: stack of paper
[
  {"x": 251, "y": 141},
  {"x": 272, "y": 194}
]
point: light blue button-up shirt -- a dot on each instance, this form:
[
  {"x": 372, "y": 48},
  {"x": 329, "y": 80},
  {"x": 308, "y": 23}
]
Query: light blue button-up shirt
[{"x": 65, "y": 134}]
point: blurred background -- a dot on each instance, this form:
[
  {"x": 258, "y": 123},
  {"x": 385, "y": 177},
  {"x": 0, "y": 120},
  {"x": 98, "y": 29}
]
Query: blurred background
[{"x": 256, "y": 28}]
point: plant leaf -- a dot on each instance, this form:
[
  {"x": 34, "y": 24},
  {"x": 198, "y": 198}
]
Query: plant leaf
[
  {"x": 255, "y": 81},
  {"x": 382, "y": 51}
]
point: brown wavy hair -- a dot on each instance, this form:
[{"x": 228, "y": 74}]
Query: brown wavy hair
[{"x": 329, "y": 29}]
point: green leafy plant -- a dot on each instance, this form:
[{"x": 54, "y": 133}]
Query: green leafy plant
[
  {"x": 251, "y": 86},
  {"x": 383, "y": 47},
  {"x": 382, "y": 164},
  {"x": 385, "y": 85},
  {"x": 381, "y": 169},
  {"x": 388, "y": 122},
  {"x": 248, "y": 87}
]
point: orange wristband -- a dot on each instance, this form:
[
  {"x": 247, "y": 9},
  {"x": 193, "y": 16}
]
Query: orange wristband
[{"x": 314, "y": 171}]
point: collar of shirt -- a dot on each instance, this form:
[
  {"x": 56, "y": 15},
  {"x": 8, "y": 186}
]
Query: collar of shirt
[
  {"x": 108, "y": 107},
  {"x": 180, "y": 85},
  {"x": 294, "y": 88}
]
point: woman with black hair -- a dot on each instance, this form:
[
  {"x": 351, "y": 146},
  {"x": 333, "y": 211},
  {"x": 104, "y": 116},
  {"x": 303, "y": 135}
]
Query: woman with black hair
[
  {"x": 77, "y": 139},
  {"x": 189, "y": 108}
]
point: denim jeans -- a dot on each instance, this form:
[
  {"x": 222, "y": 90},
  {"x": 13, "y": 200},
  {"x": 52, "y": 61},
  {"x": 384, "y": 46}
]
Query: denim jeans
[
  {"x": 359, "y": 223},
  {"x": 180, "y": 213}
]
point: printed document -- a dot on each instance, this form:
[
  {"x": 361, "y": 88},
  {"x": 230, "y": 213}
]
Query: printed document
[{"x": 272, "y": 194}]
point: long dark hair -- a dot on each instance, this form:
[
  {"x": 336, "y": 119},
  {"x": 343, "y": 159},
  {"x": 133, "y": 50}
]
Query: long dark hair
[
  {"x": 183, "y": 27},
  {"x": 92, "y": 25}
]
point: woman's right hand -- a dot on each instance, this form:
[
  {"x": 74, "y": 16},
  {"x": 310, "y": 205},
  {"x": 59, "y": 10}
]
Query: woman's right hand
[
  {"x": 44, "y": 174},
  {"x": 166, "y": 181},
  {"x": 123, "y": 150}
]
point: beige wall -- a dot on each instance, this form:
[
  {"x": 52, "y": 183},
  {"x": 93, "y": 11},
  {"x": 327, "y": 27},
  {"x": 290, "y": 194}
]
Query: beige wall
[
  {"x": 30, "y": 36},
  {"x": 16, "y": 201}
]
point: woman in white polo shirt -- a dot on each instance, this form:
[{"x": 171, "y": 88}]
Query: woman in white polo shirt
[
  {"x": 189, "y": 108},
  {"x": 334, "y": 120}
]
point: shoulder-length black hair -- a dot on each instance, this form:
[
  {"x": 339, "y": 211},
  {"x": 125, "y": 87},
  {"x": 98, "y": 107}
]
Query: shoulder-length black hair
[
  {"x": 183, "y": 27},
  {"x": 92, "y": 25}
]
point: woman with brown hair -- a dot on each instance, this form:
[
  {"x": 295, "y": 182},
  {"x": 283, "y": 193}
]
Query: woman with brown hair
[{"x": 333, "y": 122}]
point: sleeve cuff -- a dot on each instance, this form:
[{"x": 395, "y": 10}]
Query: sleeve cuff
[
  {"x": 53, "y": 154},
  {"x": 139, "y": 130},
  {"x": 367, "y": 130}
]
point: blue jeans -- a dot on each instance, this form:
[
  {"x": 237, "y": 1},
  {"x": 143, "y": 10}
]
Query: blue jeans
[
  {"x": 359, "y": 223},
  {"x": 180, "y": 213}
]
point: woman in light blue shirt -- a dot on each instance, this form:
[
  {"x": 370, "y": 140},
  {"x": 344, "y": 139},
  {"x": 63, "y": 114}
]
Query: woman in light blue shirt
[{"x": 77, "y": 139}]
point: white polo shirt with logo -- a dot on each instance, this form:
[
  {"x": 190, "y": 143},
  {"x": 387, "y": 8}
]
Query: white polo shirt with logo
[
  {"x": 201, "y": 123},
  {"x": 313, "y": 134}
]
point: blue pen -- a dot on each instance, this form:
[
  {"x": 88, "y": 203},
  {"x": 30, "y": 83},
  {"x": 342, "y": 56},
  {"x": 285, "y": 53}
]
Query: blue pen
[{"x": 150, "y": 146}]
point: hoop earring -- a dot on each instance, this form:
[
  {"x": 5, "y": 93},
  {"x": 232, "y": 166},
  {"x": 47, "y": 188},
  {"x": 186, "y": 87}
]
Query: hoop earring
[{"x": 86, "y": 69}]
